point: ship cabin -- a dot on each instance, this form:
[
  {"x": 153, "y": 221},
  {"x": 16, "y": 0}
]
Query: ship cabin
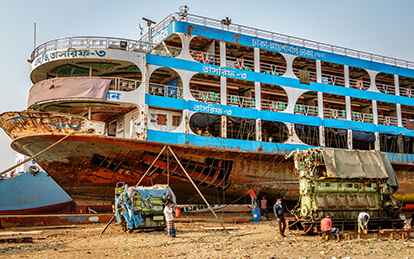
[{"x": 198, "y": 81}]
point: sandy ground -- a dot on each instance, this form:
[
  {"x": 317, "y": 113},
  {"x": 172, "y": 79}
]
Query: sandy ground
[{"x": 245, "y": 240}]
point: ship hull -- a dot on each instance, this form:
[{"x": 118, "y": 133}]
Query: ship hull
[
  {"x": 88, "y": 167},
  {"x": 31, "y": 193}
]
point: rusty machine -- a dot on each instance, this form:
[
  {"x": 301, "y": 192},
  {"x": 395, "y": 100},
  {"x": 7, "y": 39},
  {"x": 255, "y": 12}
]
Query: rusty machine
[
  {"x": 343, "y": 183},
  {"x": 138, "y": 208}
]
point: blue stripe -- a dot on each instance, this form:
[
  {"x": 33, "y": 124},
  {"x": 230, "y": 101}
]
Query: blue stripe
[
  {"x": 288, "y": 48},
  {"x": 180, "y": 104},
  {"x": 244, "y": 145}
]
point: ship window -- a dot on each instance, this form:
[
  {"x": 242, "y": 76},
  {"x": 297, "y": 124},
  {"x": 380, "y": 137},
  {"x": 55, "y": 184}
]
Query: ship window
[
  {"x": 161, "y": 119},
  {"x": 176, "y": 119},
  {"x": 349, "y": 185},
  {"x": 327, "y": 184}
]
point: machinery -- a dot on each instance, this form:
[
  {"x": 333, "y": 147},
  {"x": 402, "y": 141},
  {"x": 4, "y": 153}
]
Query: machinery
[
  {"x": 343, "y": 183},
  {"x": 141, "y": 207}
]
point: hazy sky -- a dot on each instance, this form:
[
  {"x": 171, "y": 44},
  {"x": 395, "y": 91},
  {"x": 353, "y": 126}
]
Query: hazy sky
[{"x": 380, "y": 27}]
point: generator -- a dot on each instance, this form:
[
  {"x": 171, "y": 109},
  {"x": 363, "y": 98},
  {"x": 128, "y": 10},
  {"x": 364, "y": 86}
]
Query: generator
[
  {"x": 342, "y": 183},
  {"x": 142, "y": 207}
]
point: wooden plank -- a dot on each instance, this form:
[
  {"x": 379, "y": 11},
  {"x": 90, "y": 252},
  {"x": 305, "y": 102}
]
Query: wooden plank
[{"x": 17, "y": 240}]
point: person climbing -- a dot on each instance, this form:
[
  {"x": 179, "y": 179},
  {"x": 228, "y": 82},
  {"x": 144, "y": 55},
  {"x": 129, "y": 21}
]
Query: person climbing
[
  {"x": 280, "y": 216},
  {"x": 326, "y": 227},
  {"x": 263, "y": 208},
  {"x": 253, "y": 197}
]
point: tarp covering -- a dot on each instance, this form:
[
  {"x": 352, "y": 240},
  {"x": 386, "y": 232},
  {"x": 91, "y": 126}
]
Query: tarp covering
[
  {"x": 359, "y": 164},
  {"x": 202, "y": 120},
  {"x": 68, "y": 88},
  {"x": 363, "y": 136}
]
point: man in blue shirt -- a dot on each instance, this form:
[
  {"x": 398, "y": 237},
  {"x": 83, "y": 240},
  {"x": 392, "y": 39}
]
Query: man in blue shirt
[{"x": 280, "y": 216}]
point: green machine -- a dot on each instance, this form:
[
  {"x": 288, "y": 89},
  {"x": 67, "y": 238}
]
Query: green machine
[{"x": 342, "y": 183}]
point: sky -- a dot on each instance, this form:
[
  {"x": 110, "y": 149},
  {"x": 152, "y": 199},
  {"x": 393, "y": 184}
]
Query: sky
[{"x": 379, "y": 27}]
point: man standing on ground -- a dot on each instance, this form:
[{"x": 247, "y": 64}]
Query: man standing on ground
[
  {"x": 280, "y": 216},
  {"x": 326, "y": 227},
  {"x": 253, "y": 197},
  {"x": 168, "y": 212},
  {"x": 263, "y": 208},
  {"x": 363, "y": 219}
]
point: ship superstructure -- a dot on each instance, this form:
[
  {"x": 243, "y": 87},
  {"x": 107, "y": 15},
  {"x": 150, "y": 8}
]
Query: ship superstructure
[{"x": 230, "y": 100}]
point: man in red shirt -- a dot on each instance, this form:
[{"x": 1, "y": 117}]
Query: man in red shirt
[
  {"x": 253, "y": 197},
  {"x": 263, "y": 207},
  {"x": 326, "y": 227}
]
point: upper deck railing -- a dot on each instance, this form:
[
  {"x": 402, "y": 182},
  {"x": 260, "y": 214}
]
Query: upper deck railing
[
  {"x": 90, "y": 42},
  {"x": 278, "y": 37}
]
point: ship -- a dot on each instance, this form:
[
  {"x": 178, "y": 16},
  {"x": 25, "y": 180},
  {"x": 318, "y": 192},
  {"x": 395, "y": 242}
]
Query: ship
[
  {"x": 230, "y": 101},
  {"x": 28, "y": 190}
]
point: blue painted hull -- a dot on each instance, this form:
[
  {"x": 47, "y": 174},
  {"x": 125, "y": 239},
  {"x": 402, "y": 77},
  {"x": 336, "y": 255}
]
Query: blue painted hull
[{"x": 28, "y": 193}]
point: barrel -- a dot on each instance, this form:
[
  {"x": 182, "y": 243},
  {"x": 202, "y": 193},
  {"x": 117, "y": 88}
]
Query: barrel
[{"x": 256, "y": 215}]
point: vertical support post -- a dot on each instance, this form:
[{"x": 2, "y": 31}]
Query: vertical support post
[{"x": 223, "y": 80}]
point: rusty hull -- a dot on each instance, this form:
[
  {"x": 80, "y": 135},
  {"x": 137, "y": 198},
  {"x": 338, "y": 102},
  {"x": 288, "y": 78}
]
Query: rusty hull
[{"x": 88, "y": 167}]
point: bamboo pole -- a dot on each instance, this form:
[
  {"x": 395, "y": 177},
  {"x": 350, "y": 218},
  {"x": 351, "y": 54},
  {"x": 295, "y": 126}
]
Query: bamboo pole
[
  {"x": 41, "y": 152},
  {"x": 195, "y": 186},
  {"x": 153, "y": 162}
]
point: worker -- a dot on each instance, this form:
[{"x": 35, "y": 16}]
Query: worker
[
  {"x": 326, "y": 227},
  {"x": 253, "y": 197},
  {"x": 363, "y": 219},
  {"x": 412, "y": 220},
  {"x": 169, "y": 219},
  {"x": 280, "y": 216},
  {"x": 263, "y": 208}
]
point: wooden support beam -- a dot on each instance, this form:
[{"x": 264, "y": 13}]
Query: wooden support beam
[
  {"x": 41, "y": 152},
  {"x": 198, "y": 190}
]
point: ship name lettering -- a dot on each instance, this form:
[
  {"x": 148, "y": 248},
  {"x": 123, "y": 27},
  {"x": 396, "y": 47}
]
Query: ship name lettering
[
  {"x": 113, "y": 95},
  {"x": 67, "y": 53},
  {"x": 222, "y": 71}
]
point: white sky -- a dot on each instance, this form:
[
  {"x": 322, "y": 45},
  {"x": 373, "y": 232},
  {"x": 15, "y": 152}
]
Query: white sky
[{"x": 379, "y": 27}]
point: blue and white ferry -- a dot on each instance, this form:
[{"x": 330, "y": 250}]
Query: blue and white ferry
[{"x": 230, "y": 100}]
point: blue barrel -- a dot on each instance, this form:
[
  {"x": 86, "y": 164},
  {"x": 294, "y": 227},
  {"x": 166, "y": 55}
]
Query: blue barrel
[{"x": 256, "y": 215}]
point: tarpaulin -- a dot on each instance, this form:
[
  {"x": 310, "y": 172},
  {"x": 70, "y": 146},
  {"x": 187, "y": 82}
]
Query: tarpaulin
[
  {"x": 359, "y": 164},
  {"x": 61, "y": 88}
]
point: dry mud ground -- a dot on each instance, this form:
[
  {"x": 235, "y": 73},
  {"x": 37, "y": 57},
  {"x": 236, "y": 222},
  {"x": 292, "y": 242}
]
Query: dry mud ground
[{"x": 246, "y": 240}]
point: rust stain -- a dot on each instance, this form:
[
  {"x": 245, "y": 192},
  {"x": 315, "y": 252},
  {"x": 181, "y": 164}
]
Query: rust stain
[
  {"x": 237, "y": 36},
  {"x": 189, "y": 29}
]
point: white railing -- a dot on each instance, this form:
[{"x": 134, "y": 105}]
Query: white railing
[
  {"x": 362, "y": 117},
  {"x": 387, "y": 120},
  {"x": 359, "y": 84},
  {"x": 407, "y": 92},
  {"x": 195, "y": 19},
  {"x": 386, "y": 89},
  {"x": 334, "y": 113},
  {"x": 333, "y": 80},
  {"x": 205, "y": 57},
  {"x": 306, "y": 110},
  {"x": 165, "y": 90},
  {"x": 90, "y": 42},
  {"x": 239, "y": 63},
  {"x": 271, "y": 69},
  {"x": 117, "y": 84},
  {"x": 275, "y": 106},
  {"x": 241, "y": 101},
  {"x": 206, "y": 96}
]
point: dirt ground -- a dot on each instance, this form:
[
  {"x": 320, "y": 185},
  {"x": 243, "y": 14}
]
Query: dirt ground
[{"x": 245, "y": 240}]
